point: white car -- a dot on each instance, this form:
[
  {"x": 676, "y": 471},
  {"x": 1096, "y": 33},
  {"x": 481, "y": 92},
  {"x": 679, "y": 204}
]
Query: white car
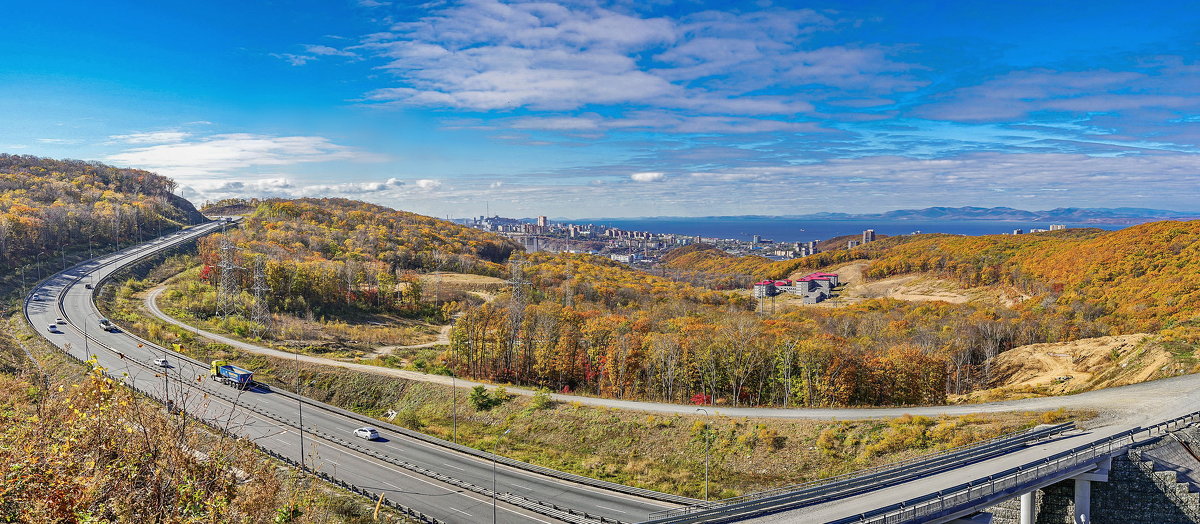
[
  {"x": 162, "y": 363},
  {"x": 54, "y": 328},
  {"x": 35, "y": 297},
  {"x": 368, "y": 433},
  {"x": 60, "y": 321}
]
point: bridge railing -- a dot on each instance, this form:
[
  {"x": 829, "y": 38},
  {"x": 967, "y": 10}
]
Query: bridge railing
[
  {"x": 1014, "y": 481},
  {"x": 867, "y": 479}
]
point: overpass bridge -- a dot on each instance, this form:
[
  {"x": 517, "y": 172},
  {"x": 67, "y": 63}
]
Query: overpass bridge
[{"x": 946, "y": 487}]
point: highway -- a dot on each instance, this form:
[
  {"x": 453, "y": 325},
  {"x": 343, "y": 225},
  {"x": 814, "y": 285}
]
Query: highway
[{"x": 392, "y": 465}]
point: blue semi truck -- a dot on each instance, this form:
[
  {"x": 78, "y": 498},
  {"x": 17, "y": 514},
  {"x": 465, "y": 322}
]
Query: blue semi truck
[{"x": 231, "y": 375}]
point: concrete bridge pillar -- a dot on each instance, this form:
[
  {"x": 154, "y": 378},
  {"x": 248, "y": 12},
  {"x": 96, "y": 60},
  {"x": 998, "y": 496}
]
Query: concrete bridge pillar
[
  {"x": 1083, "y": 491},
  {"x": 1028, "y": 510},
  {"x": 1083, "y": 501}
]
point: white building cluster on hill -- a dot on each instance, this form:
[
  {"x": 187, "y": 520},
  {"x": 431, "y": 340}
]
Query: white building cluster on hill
[{"x": 813, "y": 288}]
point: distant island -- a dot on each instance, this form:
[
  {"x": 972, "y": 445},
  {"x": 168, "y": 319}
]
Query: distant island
[{"x": 1076, "y": 215}]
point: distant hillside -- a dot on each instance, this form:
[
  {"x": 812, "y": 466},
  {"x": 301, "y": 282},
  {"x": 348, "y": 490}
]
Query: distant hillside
[
  {"x": 729, "y": 270},
  {"x": 1121, "y": 215},
  {"x": 1138, "y": 279},
  {"x": 47, "y": 206}
]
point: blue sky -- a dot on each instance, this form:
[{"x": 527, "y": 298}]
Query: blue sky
[{"x": 579, "y": 109}]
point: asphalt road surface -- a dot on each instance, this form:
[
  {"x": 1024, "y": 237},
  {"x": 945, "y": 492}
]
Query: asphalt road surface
[{"x": 270, "y": 417}]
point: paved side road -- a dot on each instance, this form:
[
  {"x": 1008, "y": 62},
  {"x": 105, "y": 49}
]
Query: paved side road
[{"x": 1111, "y": 403}]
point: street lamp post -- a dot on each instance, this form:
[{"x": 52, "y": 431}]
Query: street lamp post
[
  {"x": 494, "y": 447},
  {"x": 454, "y": 407},
  {"x": 300, "y": 400},
  {"x": 706, "y": 454}
]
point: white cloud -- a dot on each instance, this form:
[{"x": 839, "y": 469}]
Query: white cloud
[
  {"x": 1029, "y": 181},
  {"x": 1162, "y": 84},
  {"x": 564, "y": 123},
  {"x": 227, "y": 153},
  {"x": 719, "y": 72},
  {"x": 351, "y": 188},
  {"x": 153, "y": 137},
  {"x": 294, "y": 59},
  {"x": 428, "y": 184},
  {"x": 648, "y": 176},
  {"x": 324, "y": 50}
]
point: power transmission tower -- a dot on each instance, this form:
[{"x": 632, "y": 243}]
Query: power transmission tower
[
  {"x": 518, "y": 282},
  {"x": 517, "y": 304},
  {"x": 260, "y": 314},
  {"x": 227, "y": 291}
]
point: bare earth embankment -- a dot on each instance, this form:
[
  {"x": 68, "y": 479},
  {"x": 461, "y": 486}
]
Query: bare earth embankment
[{"x": 1073, "y": 367}]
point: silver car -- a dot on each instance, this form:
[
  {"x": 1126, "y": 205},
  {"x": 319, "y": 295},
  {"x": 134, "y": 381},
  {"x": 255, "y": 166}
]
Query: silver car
[{"x": 368, "y": 433}]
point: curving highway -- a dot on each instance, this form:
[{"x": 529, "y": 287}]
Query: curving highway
[
  {"x": 419, "y": 472},
  {"x": 402, "y": 464}
]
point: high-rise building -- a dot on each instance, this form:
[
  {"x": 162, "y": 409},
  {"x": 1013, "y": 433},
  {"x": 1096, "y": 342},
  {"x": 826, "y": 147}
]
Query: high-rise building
[
  {"x": 543, "y": 222},
  {"x": 1057, "y": 227},
  {"x": 757, "y": 239},
  {"x": 868, "y": 236}
]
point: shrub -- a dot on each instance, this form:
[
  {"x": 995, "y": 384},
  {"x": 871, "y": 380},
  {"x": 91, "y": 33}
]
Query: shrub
[
  {"x": 1053, "y": 417},
  {"x": 542, "y": 400},
  {"x": 828, "y": 441},
  {"x": 481, "y": 400}
]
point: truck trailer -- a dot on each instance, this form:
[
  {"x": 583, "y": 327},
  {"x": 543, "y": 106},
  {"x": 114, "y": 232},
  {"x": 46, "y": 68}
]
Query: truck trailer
[{"x": 231, "y": 375}]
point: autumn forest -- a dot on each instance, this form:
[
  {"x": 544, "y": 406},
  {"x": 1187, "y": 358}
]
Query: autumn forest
[{"x": 580, "y": 323}]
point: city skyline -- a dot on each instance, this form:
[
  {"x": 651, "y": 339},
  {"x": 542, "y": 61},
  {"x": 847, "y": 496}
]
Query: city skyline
[{"x": 585, "y": 109}]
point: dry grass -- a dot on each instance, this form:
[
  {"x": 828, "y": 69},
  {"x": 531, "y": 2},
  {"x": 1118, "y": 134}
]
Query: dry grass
[{"x": 79, "y": 447}]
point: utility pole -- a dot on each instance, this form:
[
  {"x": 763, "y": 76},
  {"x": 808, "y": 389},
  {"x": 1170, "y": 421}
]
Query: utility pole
[
  {"x": 494, "y": 448},
  {"x": 706, "y": 451},
  {"x": 86, "y": 350},
  {"x": 300, "y": 407}
]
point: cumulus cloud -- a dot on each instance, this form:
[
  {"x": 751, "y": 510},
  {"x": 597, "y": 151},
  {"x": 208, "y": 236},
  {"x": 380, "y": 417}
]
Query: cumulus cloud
[
  {"x": 648, "y": 176},
  {"x": 427, "y": 184},
  {"x": 225, "y": 153}
]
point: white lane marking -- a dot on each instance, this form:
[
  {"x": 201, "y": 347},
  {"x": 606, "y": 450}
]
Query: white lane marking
[
  {"x": 522, "y": 487},
  {"x": 610, "y": 509},
  {"x": 455, "y": 467},
  {"x": 390, "y": 484},
  {"x": 460, "y": 511}
]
